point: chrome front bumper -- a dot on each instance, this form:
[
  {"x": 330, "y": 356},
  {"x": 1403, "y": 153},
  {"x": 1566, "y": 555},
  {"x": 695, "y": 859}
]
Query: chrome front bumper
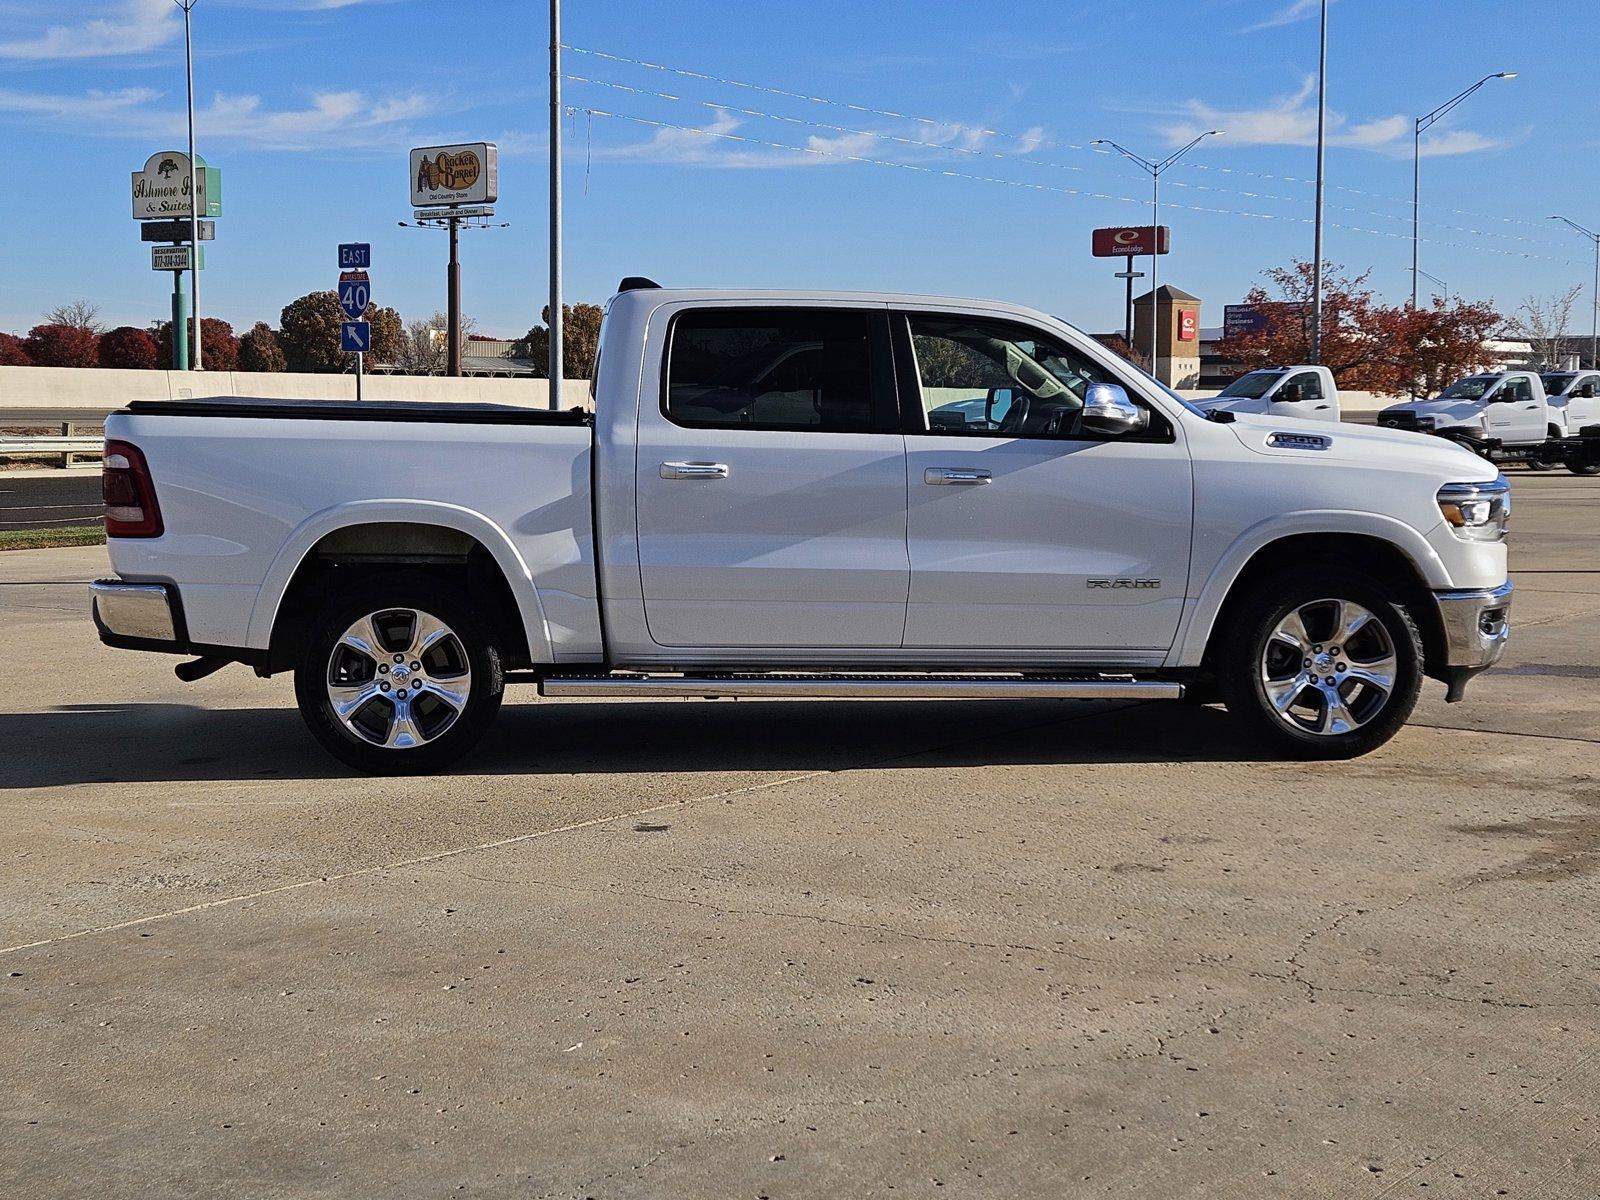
[
  {"x": 1476, "y": 625},
  {"x": 138, "y": 615}
]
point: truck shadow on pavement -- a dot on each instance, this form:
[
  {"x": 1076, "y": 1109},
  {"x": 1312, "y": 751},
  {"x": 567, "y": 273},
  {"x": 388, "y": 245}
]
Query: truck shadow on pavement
[{"x": 89, "y": 744}]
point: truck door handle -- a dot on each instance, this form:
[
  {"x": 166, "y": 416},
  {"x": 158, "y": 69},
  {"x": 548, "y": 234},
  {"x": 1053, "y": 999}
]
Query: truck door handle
[
  {"x": 949, "y": 476},
  {"x": 694, "y": 470}
]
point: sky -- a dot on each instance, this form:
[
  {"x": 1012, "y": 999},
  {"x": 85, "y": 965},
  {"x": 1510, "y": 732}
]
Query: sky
[{"x": 926, "y": 146}]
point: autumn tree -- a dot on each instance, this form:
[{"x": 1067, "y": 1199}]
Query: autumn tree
[
  {"x": 62, "y": 346},
  {"x": 580, "y": 338},
  {"x": 309, "y": 333},
  {"x": 129, "y": 348},
  {"x": 11, "y": 352},
  {"x": 1367, "y": 345},
  {"x": 219, "y": 349},
  {"x": 259, "y": 350}
]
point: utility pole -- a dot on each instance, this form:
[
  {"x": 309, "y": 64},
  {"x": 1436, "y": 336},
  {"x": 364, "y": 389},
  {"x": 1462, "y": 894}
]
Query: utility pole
[
  {"x": 1594, "y": 326},
  {"x": 556, "y": 323},
  {"x": 1154, "y": 169},
  {"x": 1418, "y": 126},
  {"x": 452, "y": 302},
  {"x": 1322, "y": 149},
  {"x": 194, "y": 185}
]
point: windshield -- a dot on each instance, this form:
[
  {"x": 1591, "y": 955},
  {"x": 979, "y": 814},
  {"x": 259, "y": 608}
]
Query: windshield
[
  {"x": 1554, "y": 385},
  {"x": 1252, "y": 386},
  {"x": 1471, "y": 388}
]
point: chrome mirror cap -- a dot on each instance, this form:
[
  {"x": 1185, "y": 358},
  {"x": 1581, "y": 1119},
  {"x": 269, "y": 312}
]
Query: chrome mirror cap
[{"x": 1107, "y": 409}]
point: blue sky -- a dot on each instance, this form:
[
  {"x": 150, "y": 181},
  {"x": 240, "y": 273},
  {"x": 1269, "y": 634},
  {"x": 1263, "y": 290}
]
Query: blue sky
[{"x": 984, "y": 183}]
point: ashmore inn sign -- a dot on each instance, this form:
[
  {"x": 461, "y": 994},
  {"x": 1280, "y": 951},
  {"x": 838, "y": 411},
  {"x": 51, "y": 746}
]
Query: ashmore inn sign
[{"x": 161, "y": 190}]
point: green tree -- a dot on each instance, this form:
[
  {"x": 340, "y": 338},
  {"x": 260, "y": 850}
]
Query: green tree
[
  {"x": 309, "y": 333},
  {"x": 259, "y": 350},
  {"x": 388, "y": 334},
  {"x": 580, "y": 337}
]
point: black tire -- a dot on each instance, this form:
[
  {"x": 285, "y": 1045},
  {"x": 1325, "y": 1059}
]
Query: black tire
[
  {"x": 1584, "y": 468},
  {"x": 1244, "y": 663},
  {"x": 467, "y": 655}
]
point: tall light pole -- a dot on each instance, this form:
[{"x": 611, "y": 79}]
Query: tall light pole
[
  {"x": 1444, "y": 288},
  {"x": 1154, "y": 169},
  {"x": 1594, "y": 335},
  {"x": 1322, "y": 148},
  {"x": 1422, "y": 123},
  {"x": 555, "y": 205},
  {"x": 194, "y": 186}
]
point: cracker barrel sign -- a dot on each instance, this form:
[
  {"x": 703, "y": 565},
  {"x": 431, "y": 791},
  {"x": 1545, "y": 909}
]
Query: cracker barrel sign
[
  {"x": 465, "y": 174},
  {"x": 161, "y": 191}
]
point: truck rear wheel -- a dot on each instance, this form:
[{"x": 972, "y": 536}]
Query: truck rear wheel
[
  {"x": 398, "y": 676},
  {"x": 1323, "y": 662},
  {"x": 1583, "y": 468}
]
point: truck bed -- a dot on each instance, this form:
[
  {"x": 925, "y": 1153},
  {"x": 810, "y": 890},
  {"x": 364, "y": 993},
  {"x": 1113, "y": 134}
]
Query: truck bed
[{"x": 365, "y": 410}]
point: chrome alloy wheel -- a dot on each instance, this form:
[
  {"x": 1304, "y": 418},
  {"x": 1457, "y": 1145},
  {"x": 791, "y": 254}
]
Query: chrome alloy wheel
[
  {"x": 1329, "y": 667},
  {"x": 398, "y": 678}
]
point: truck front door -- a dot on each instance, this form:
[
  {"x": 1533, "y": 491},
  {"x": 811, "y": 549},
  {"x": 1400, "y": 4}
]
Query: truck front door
[
  {"x": 1026, "y": 531},
  {"x": 771, "y": 488},
  {"x": 1515, "y": 414}
]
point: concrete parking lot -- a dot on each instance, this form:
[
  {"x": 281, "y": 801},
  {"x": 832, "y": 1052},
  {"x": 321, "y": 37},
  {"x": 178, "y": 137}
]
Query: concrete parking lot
[{"x": 811, "y": 949}]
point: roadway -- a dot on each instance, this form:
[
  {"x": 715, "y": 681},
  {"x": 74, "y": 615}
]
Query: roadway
[
  {"x": 644, "y": 949},
  {"x": 35, "y": 500}
]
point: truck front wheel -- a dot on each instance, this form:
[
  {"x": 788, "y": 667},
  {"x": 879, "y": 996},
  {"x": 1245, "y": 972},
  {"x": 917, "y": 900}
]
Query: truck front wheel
[
  {"x": 1323, "y": 662},
  {"x": 398, "y": 676}
]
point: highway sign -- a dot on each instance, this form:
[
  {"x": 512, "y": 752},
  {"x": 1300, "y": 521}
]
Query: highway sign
[
  {"x": 355, "y": 337},
  {"x": 174, "y": 231},
  {"x": 354, "y": 294},
  {"x": 1131, "y": 240},
  {"x": 355, "y": 256},
  {"x": 173, "y": 258}
]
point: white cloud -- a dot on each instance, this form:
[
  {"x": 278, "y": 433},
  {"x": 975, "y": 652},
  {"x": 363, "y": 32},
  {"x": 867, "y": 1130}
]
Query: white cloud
[
  {"x": 1292, "y": 121},
  {"x": 331, "y": 120},
  {"x": 1297, "y": 10},
  {"x": 134, "y": 27}
]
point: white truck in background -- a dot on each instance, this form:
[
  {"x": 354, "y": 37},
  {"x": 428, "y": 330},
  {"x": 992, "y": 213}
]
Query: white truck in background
[
  {"x": 1506, "y": 416},
  {"x": 801, "y": 493},
  {"x": 1303, "y": 391}
]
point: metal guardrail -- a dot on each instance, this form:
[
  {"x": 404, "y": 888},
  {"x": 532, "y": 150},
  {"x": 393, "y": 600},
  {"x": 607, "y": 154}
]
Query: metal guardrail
[{"x": 68, "y": 444}]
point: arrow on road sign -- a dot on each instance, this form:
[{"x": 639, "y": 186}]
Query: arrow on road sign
[{"x": 355, "y": 337}]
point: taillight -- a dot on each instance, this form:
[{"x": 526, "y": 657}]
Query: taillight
[{"x": 129, "y": 492}]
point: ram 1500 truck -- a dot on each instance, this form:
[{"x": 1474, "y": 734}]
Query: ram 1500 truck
[
  {"x": 1305, "y": 391},
  {"x": 801, "y": 494}
]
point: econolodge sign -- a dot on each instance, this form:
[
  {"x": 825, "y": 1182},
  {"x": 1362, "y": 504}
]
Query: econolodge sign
[
  {"x": 1131, "y": 240},
  {"x": 464, "y": 174},
  {"x": 161, "y": 191}
]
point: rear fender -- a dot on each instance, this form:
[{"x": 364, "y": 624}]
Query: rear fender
[{"x": 416, "y": 512}]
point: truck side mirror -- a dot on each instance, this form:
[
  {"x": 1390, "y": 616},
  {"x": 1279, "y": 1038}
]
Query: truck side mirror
[
  {"x": 1291, "y": 393},
  {"x": 998, "y": 404},
  {"x": 1107, "y": 410}
]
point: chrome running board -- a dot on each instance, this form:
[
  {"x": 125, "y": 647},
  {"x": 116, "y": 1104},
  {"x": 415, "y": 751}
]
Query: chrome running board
[{"x": 865, "y": 686}]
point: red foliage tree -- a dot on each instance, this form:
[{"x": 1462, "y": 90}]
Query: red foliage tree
[
  {"x": 219, "y": 349},
  {"x": 129, "y": 348},
  {"x": 62, "y": 346},
  {"x": 11, "y": 352},
  {"x": 1367, "y": 345}
]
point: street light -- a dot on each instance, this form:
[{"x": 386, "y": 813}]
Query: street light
[
  {"x": 194, "y": 187},
  {"x": 1594, "y": 335},
  {"x": 1444, "y": 288},
  {"x": 1154, "y": 169},
  {"x": 1322, "y": 155},
  {"x": 1420, "y": 124}
]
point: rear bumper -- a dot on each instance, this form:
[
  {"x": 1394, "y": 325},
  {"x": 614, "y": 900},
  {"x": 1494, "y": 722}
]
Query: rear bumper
[
  {"x": 138, "y": 616},
  {"x": 1476, "y": 625}
]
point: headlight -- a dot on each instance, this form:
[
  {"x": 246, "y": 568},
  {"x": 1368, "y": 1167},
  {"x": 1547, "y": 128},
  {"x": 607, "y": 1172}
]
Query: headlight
[{"x": 1477, "y": 512}]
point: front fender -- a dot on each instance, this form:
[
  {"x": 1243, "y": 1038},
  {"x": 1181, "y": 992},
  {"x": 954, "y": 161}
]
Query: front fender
[
  {"x": 1200, "y": 612},
  {"x": 475, "y": 525}
]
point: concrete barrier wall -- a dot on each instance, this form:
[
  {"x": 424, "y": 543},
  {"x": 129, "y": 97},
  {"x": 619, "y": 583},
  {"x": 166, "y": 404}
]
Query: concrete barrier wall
[{"x": 96, "y": 391}]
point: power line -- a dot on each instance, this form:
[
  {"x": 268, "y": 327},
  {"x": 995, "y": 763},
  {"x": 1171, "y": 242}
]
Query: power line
[
  {"x": 1023, "y": 184},
  {"x": 935, "y": 121},
  {"x": 1024, "y": 158}
]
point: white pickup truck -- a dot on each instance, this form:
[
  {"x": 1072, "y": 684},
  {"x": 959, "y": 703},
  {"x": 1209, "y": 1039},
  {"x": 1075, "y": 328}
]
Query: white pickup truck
[
  {"x": 805, "y": 494},
  {"x": 1506, "y": 416},
  {"x": 1302, "y": 391}
]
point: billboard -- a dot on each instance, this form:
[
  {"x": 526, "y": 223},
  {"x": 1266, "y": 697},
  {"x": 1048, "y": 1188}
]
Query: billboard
[
  {"x": 1253, "y": 318},
  {"x": 161, "y": 190},
  {"x": 463, "y": 174},
  {"x": 1126, "y": 241}
]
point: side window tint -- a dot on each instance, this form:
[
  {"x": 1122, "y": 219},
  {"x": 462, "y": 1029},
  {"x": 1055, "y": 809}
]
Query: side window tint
[
  {"x": 1310, "y": 385},
  {"x": 771, "y": 369},
  {"x": 999, "y": 380}
]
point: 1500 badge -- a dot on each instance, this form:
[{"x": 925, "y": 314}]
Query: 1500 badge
[{"x": 1124, "y": 583}]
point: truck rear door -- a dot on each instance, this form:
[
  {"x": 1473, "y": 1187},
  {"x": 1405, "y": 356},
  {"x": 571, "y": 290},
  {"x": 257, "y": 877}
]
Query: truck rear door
[{"x": 771, "y": 486}]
